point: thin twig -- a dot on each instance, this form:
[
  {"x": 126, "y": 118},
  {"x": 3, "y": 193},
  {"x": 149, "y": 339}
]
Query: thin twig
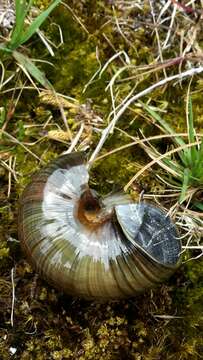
[
  {"x": 157, "y": 35},
  {"x": 126, "y": 104},
  {"x": 151, "y": 163},
  {"x": 7, "y": 167},
  {"x": 9, "y": 177},
  {"x": 13, "y": 295},
  {"x": 75, "y": 140},
  {"x": 141, "y": 141},
  {"x": 21, "y": 144}
]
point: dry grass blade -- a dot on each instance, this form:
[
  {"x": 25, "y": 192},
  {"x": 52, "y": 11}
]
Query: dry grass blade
[
  {"x": 134, "y": 98},
  {"x": 16, "y": 141},
  {"x": 149, "y": 165},
  {"x": 13, "y": 297},
  {"x": 139, "y": 141}
]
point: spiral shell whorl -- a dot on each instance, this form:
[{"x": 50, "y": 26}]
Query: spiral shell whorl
[{"x": 114, "y": 249}]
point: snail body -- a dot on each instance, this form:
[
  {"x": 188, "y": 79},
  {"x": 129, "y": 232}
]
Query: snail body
[{"x": 105, "y": 249}]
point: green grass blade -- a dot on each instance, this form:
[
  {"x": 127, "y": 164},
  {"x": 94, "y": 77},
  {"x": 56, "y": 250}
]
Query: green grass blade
[
  {"x": 198, "y": 205},
  {"x": 32, "y": 69},
  {"x": 38, "y": 22},
  {"x": 2, "y": 116},
  {"x": 4, "y": 47},
  {"x": 185, "y": 154},
  {"x": 174, "y": 167},
  {"x": 191, "y": 132},
  {"x": 21, "y": 10},
  {"x": 164, "y": 124},
  {"x": 186, "y": 177},
  {"x": 198, "y": 164}
]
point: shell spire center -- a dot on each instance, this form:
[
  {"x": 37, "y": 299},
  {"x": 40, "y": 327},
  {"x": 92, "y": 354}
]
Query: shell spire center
[{"x": 90, "y": 211}]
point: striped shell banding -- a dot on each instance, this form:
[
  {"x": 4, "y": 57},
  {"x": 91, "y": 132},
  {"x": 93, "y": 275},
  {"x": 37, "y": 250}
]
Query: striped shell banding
[{"x": 105, "y": 249}]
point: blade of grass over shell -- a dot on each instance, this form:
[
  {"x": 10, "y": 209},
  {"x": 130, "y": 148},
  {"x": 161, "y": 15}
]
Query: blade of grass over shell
[
  {"x": 32, "y": 69},
  {"x": 38, "y": 22}
]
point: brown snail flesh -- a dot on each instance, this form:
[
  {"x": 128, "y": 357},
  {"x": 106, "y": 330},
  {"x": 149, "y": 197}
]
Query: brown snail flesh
[{"x": 105, "y": 249}]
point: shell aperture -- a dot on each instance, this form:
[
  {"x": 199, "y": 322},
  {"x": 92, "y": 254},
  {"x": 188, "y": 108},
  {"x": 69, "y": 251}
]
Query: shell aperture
[
  {"x": 89, "y": 247},
  {"x": 150, "y": 229}
]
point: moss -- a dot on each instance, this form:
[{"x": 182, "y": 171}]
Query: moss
[
  {"x": 41, "y": 4},
  {"x": 111, "y": 174},
  {"x": 193, "y": 289},
  {"x": 4, "y": 252}
]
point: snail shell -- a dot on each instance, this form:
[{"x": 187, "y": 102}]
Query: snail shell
[{"x": 110, "y": 248}]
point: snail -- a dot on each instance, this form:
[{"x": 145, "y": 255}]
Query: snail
[{"x": 97, "y": 248}]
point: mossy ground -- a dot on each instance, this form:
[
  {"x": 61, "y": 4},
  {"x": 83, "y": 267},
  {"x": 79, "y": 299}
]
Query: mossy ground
[{"x": 164, "y": 323}]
